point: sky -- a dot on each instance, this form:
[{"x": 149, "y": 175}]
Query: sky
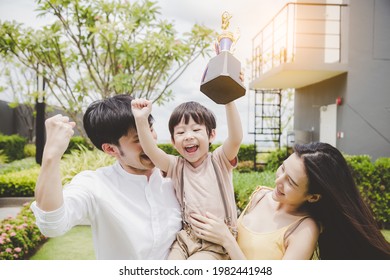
[{"x": 249, "y": 16}]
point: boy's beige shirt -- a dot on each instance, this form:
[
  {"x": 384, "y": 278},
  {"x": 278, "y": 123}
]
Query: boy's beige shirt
[{"x": 201, "y": 191}]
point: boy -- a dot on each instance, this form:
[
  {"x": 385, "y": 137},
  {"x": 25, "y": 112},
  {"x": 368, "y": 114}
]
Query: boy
[{"x": 202, "y": 180}]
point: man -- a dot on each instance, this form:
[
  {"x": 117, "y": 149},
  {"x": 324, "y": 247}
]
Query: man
[{"x": 132, "y": 209}]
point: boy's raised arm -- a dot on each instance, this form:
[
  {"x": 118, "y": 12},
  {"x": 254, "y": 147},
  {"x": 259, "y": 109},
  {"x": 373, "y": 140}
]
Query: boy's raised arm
[
  {"x": 231, "y": 146},
  {"x": 141, "y": 109}
]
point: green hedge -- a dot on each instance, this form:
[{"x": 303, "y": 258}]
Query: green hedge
[
  {"x": 19, "y": 237},
  {"x": 19, "y": 183},
  {"x": 12, "y": 146},
  {"x": 18, "y": 165},
  {"x": 276, "y": 158},
  {"x": 30, "y": 150},
  {"x": 247, "y": 152},
  {"x": 3, "y": 158},
  {"x": 373, "y": 181},
  {"x": 382, "y": 193}
]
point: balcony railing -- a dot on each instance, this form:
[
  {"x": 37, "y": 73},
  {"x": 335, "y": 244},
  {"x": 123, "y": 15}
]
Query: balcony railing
[{"x": 299, "y": 32}]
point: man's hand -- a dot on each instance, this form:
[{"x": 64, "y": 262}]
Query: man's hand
[{"x": 59, "y": 130}]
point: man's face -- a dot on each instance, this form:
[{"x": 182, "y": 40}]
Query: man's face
[{"x": 131, "y": 156}]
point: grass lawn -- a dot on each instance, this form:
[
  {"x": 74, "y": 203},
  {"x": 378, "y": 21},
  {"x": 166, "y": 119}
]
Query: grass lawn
[{"x": 74, "y": 245}]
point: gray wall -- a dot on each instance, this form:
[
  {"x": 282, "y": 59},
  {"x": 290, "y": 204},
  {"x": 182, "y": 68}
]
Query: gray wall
[
  {"x": 364, "y": 116},
  {"x": 308, "y": 101},
  {"x": 12, "y": 123},
  {"x": 6, "y": 118}
]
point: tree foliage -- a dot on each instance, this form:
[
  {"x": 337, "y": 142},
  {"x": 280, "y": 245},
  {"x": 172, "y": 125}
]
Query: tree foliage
[
  {"x": 21, "y": 84},
  {"x": 99, "y": 48}
]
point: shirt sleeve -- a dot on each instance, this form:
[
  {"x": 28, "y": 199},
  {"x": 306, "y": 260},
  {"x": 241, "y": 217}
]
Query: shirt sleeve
[
  {"x": 49, "y": 223},
  {"x": 220, "y": 156},
  {"x": 75, "y": 209}
]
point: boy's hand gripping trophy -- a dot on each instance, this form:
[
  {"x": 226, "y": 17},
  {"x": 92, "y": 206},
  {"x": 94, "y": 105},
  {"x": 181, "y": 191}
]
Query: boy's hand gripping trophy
[{"x": 221, "y": 79}]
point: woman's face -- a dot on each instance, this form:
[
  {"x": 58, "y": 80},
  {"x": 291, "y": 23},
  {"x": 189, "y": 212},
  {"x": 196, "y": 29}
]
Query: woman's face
[{"x": 291, "y": 184}]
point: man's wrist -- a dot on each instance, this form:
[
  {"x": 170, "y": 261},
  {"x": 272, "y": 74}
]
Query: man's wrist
[{"x": 50, "y": 156}]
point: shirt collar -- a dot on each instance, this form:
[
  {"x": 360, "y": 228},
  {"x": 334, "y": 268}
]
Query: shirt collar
[{"x": 123, "y": 173}]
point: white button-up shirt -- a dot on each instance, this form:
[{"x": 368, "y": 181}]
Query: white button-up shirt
[{"x": 130, "y": 217}]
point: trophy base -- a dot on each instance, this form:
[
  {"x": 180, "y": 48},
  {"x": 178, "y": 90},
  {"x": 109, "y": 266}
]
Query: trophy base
[{"x": 221, "y": 81}]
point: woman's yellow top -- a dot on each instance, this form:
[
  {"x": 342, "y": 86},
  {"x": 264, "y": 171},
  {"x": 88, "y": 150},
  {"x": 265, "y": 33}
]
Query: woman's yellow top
[{"x": 263, "y": 246}]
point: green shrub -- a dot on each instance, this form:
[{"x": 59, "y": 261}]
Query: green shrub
[
  {"x": 247, "y": 152},
  {"x": 30, "y": 150},
  {"x": 19, "y": 183},
  {"x": 13, "y": 146},
  {"x": 382, "y": 196},
  {"x": 3, "y": 158},
  {"x": 77, "y": 143},
  {"x": 276, "y": 158},
  {"x": 371, "y": 180},
  {"x": 20, "y": 237},
  {"x": 18, "y": 165}
]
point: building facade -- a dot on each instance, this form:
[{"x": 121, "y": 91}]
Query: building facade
[{"x": 336, "y": 55}]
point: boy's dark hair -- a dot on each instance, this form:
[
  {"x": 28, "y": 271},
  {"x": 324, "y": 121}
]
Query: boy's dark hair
[
  {"x": 107, "y": 120},
  {"x": 199, "y": 113}
]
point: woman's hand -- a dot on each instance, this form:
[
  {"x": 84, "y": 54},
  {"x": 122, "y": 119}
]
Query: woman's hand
[
  {"x": 214, "y": 230},
  {"x": 210, "y": 228}
]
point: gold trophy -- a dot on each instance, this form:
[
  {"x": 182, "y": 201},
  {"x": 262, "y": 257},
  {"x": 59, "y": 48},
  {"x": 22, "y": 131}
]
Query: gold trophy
[{"x": 221, "y": 79}]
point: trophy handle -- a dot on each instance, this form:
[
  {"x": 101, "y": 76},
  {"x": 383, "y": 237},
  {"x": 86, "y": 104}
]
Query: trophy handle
[{"x": 225, "y": 20}]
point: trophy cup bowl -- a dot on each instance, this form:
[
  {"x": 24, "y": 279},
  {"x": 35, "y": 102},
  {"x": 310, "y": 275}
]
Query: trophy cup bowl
[{"x": 221, "y": 79}]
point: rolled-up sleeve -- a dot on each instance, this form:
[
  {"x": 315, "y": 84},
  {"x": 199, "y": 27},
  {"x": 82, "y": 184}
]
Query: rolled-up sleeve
[
  {"x": 51, "y": 224},
  {"x": 74, "y": 210}
]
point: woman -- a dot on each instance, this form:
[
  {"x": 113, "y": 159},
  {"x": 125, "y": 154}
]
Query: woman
[{"x": 315, "y": 206}]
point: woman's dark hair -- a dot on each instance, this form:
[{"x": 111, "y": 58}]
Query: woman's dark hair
[
  {"x": 194, "y": 110},
  {"x": 349, "y": 230},
  {"x": 107, "y": 120}
]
